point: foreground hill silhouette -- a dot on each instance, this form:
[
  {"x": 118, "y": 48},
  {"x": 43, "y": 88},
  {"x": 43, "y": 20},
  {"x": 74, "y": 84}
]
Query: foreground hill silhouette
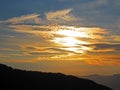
[{"x": 15, "y": 79}]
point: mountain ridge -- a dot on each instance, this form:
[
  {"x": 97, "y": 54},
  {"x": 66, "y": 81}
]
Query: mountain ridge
[
  {"x": 112, "y": 81},
  {"x": 21, "y": 79}
]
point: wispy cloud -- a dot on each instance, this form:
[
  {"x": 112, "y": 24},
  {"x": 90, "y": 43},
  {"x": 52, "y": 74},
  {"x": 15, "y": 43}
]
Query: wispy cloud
[
  {"x": 60, "y": 16},
  {"x": 116, "y": 38},
  {"x": 54, "y": 36},
  {"x": 50, "y": 17},
  {"x": 30, "y": 18},
  {"x": 40, "y": 31},
  {"x": 104, "y": 60}
]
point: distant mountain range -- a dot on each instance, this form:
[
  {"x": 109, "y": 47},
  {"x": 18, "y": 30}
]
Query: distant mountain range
[
  {"x": 15, "y": 79},
  {"x": 110, "y": 81}
]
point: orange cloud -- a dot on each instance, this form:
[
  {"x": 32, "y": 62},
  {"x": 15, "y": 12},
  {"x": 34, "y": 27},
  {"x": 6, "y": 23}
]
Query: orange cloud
[{"x": 103, "y": 59}]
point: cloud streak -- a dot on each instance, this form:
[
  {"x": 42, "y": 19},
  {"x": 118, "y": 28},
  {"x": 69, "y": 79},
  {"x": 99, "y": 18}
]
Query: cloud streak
[
  {"x": 60, "y": 16},
  {"x": 50, "y": 17},
  {"x": 25, "y": 18}
]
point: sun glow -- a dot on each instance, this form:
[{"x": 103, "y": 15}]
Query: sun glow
[
  {"x": 67, "y": 37},
  {"x": 69, "y": 41},
  {"x": 73, "y": 33}
]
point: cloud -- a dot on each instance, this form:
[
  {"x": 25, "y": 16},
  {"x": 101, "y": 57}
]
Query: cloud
[
  {"x": 60, "y": 16},
  {"x": 41, "y": 31},
  {"x": 30, "y": 48},
  {"x": 38, "y": 42},
  {"x": 104, "y": 48},
  {"x": 30, "y": 18},
  {"x": 56, "y": 35},
  {"x": 116, "y": 38},
  {"x": 104, "y": 60},
  {"x": 45, "y": 51},
  {"x": 50, "y": 17}
]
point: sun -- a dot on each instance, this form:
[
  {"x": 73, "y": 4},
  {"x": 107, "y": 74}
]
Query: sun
[
  {"x": 72, "y": 33},
  {"x": 69, "y": 39}
]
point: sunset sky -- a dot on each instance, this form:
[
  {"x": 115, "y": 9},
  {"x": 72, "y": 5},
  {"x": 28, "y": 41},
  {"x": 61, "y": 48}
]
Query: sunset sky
[{"x": 78, "y": 37}]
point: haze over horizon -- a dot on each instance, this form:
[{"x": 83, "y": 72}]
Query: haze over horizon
[{"x": 72, "y": 37}]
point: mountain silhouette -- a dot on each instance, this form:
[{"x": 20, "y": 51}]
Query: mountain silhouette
[
  {"x": 16, "y": 79},
  {"x": 112, "y": 81}
]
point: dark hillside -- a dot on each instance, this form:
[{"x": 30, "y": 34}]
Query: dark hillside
[{"x": 15, "y": 79}]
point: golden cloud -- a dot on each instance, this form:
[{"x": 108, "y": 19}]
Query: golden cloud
[{"x": 60, "y": 15}]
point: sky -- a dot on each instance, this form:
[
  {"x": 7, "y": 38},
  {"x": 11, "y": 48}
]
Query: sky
[{"x": 78, "y": 37}]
